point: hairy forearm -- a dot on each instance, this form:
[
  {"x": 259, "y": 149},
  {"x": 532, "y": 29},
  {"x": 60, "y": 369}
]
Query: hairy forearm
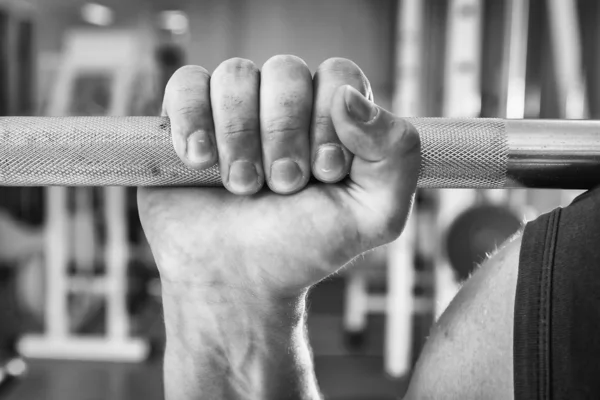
[{"x": 235, "y": 347}]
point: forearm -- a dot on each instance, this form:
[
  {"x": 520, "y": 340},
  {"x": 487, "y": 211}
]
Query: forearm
[{"x": 235, "y": 348}]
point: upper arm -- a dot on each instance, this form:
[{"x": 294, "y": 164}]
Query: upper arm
[{"x": 469, "y": 354}]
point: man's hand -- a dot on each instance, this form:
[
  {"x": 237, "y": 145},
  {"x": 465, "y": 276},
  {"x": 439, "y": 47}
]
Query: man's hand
[
  {"x": 248, "y": 253},
  {"x": 278, "y": 126}
]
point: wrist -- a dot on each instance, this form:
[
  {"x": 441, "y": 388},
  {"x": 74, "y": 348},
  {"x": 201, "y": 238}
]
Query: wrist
[
  {"x": 240, "y": 302},
  {"x": 238, "y": 344}
]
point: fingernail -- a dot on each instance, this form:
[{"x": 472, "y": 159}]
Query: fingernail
[
  {"x": 285, "y": 175},
  {"x": 358, "y": 106},
  {"x": 199, "y": 147},
  {"x": 243, "y": 177},
  {"x": 330, "y": 162}
]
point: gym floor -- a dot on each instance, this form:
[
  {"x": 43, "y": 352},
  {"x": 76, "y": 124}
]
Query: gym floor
[{"x": 343, "y": 372}]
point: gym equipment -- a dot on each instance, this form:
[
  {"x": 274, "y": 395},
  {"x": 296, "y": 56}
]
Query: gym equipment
[
  {"x": 462, "y": 98},
  {"x": 83, "y": 309},
  {"x": 4, "y": 65},
  {"x": 467, "y": 242},
  {"x": 359, "y": 302},
  {"x": 18, "y": 241},
  {"x": 593, "y": 64},
  {"x": 514, "y": 74},
  {"x": 400, "y": 304},
  {"x": 555, "y": 83},
  {"x": 17, "y": 61},
  {"x": 476, "y": 233},
  {"x": 11, "y": 371},
  {"x": 567, "y": 57},
  {"x": 99, "y": 69},
  {"x": 457, "y": 153},
  {"x": 30, "y": 296}
]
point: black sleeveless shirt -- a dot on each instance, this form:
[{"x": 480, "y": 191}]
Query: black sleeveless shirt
[{"x": 556, "y": 344}]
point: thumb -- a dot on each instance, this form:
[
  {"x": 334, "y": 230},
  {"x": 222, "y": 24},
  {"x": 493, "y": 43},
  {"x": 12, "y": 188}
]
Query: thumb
[{"x": 387, "y": 159}]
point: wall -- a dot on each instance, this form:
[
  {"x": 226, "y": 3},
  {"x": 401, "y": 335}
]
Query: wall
[{"x": 314, "y": 30}]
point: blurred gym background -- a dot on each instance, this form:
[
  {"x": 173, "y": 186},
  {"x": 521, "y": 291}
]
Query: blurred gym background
[{"x": 80, "y": 310}]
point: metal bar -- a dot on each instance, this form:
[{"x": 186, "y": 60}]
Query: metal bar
[
  {"x": 558, "y": 154},
  {"x": 456, "y": 153}
]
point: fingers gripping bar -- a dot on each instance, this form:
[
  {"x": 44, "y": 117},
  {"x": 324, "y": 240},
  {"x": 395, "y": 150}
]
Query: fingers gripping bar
[{"x": 138, "y": 151}]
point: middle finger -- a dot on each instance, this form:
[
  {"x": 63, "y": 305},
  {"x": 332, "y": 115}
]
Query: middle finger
[
  {"x": 285, "y": 107},
  {"x": 234, "y": 95}
]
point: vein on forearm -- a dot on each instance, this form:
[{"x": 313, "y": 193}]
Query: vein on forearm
[{"x": 230, "y": 353}]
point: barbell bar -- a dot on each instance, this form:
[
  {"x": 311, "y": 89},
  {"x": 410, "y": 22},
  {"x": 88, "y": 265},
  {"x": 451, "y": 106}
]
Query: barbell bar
[{"x": 456, "y": 153}]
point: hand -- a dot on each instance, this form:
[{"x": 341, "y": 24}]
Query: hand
[{"x": 278, "y": 126}]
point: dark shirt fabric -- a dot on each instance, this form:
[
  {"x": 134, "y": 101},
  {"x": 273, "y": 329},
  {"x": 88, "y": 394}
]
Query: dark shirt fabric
[{"x": 556, "y": 345}]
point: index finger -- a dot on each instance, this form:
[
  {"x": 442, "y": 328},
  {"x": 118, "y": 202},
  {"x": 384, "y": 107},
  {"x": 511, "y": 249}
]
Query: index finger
[
  {"x": 187, "y": 104},
  {"x": 329, "y": 157}
]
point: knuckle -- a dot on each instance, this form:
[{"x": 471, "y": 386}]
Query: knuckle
[
  {"x": 237, "y": 67},
  {"x": 190, "y": 82},
  {"x": 194, "y": 111},
  {"x": 337, "y": 64},
  {"x": 407, "y": 137},
  {"x": 290, "y": 99},
  {"x": 235, "y": 129},
  {"x": 284, "y": 60},
  {"x": 345, "y": 70},
  {"x": 193, "y": 108},
  {"x": 229, "y": 102},
  {"x": 322, "y": 122},
  {"x": 282, "y": 129},
  {"x": 190, "y": 75},
  {"x": 186, "y": 110}
]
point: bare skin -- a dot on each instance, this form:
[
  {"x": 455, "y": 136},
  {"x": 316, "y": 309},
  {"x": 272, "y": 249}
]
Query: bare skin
[
  {"x": 469, "y": 353},
  {"x": 236, "y": 262}
]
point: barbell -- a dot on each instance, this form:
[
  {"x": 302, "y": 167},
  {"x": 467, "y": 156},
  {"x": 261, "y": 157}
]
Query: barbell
[{"x": 456, "y": 153}]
